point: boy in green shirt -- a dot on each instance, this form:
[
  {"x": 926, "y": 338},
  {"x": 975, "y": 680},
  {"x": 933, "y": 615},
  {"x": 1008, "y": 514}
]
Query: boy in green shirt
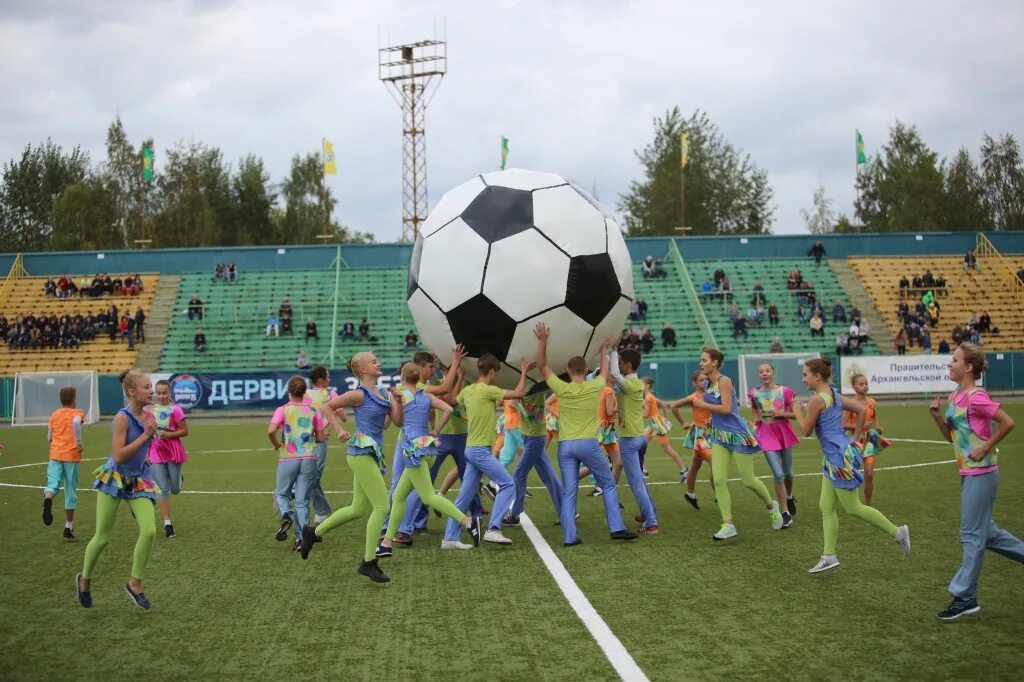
[{"x": 633, "y": 436}]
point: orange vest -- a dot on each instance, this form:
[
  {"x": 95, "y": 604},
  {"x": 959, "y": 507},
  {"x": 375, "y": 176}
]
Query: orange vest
[{"x": 63, "y": 445}]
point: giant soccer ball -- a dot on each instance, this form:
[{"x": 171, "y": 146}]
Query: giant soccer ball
[{"x": 507, "y": 250}]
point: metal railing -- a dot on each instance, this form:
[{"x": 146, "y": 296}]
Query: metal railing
[
  {"x": 698, "y": 309},
  {"x": 983, "y": 248},
  {"x": 16, "y": 272}
]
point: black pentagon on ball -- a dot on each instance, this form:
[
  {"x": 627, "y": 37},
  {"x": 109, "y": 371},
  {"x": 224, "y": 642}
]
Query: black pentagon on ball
[
  {"x": 499, "y": 212},
  {"x": 414, "y": 267},
  {"x": 482, "y": 327},
  {"x": 593, "y": 287}
]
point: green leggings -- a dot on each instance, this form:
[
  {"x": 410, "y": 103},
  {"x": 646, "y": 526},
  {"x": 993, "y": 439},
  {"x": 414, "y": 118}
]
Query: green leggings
[
  {"x": 849, "y": 498},
  {"x": 367, "y": 489},
  {"x": 418, "y": 478},
  {"x": 721, "y": 456},
  {"x": 106, "y": 515}
]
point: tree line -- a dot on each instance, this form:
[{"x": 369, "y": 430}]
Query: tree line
[{"x": 57, "y": 199}]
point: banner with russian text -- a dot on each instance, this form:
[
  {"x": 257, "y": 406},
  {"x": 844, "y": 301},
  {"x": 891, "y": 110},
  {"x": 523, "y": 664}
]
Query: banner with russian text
[{"x": 899, "y": 373}]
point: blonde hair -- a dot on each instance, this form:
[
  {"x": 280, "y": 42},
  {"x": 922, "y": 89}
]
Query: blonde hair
[{"x": 975, "y": 357}]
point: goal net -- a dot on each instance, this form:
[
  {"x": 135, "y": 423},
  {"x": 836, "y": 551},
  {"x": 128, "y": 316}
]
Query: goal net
[
  {"x": 37, "y": 395},
  {"x": 789, "y": 368}
]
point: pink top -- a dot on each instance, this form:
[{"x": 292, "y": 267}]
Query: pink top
[
  {"x": 774, "y": 434},
  {"x": 163, "y": 450},
  {"x": 980, "y": 411},
  {"x": 298, "y": 431}
]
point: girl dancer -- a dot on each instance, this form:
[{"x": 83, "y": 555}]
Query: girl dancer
[
  {"x": 125, "y": 476},
  {"x": 166, "y": 453},
  {"x": 773, "y": 408},
  {"x": 371, "y": 407},
  {"x": 731, "y": 438},
  {"x": 871, "y": 441},
  {"x": 551, "y": 419},
  {"x": 658, "y": 426},
  {"x": 841, "y": 462},
  {"x": 967, "y": 424},
  {"x": 696, "y": 437}
]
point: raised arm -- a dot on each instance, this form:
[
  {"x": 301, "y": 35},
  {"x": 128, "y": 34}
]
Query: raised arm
[
  {"x": 542, "y": 331},
  {"x": 604, "y": 357},
  {"x": 444, "y": 410},
  {"x": 614, "y": 375},
  {"x": 520, "y": 389},
  {"x": 450, "y": 377}
]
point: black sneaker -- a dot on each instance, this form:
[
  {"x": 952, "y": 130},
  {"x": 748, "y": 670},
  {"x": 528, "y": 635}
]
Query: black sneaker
[
  {"x": 787, "y": 519},
  {"x": 297, "y": 545},
  {"x": 372, "y": 571},
  {"x": 624, "y": 535},
  {"x": 475, "y": 530},
  {"x": 510, "y": 521},
  {"x": 282, "y": 532},
  {"x": 529, "y": 494},
  {"x": 492, "y": 490},
  {"x": 69, "y": 534},
  {"x": 138, "y": 598},
  {"x": 47, "y": 511},
  {"x": 575, "y": 542},
  {"x": 169, "y": 530},
  {"x": 692, "y": 501},
  {"x": 596, "y": 492},
  {"x": 309, "y": 537},
  {"x": 420, "y": 531},
  {"x": 791, "y": 505},
  {"x": 382, "y": 551},
  {"x": 84, "y": 597},
  {"x": 959, "y": 607}
]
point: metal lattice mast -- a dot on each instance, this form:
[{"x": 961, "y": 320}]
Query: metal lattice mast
[{"x": 413, "y": 73}]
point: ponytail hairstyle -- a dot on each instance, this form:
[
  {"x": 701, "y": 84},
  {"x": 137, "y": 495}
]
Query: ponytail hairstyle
[
  {"x": 975, "y": 357},
  {"x": 820, "y": 366},
  {"x": 715, "y": 355},
  {"x": 297, "y": 387}
]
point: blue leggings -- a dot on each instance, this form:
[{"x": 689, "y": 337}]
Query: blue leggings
[{"x": 781, "y": 463}]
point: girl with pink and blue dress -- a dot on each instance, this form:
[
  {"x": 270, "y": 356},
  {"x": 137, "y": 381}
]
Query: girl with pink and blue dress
[{"x": 773, "y": 409}]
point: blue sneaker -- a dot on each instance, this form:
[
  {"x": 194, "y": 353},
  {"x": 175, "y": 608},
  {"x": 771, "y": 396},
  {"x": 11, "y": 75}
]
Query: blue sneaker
[
  {"x": 959, "y": 607},
  {"x": 84, "y": 597},
  {"x": 137, "y": 597}
]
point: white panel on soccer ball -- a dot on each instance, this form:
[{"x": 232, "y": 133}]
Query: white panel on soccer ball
[
  {"x": 517, "y": 178},
  {"x": 452, "y": 264},
  {"x": 611, "y": 326},
  {"x": 569, "y": 337},
  {"x": 621, "y": 260},
  {"x": 451, "y": 206},
  {"x": 525, "y": 274},
  {"x": 432, "y": 325},
  {"x": 569, "y": 220}
]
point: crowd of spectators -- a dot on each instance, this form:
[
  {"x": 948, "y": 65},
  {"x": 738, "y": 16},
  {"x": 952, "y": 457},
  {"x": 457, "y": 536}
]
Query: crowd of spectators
[
  {"x": 92, "y": 287},
  {"x": 225, "y": 273},
  {"x": 653, "y": 268},
  {"x": 923, "y": 284},
  {"x": 71, "y": 330}
]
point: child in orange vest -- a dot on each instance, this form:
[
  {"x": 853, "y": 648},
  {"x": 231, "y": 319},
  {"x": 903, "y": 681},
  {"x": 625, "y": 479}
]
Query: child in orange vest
[{"x": 65, "y": 436}]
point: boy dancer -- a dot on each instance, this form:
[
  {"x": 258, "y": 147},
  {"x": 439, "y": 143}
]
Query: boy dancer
[
  {"x": 631, "y": 409},
  {"x": 65, "y": 436}
]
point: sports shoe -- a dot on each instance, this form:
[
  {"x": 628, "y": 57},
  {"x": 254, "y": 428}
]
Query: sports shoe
[
  {"x": 69, "y": 534},
  {"x": 495, "y": 535},
  {"x": 575, "y": 542},
  {"x": 791, "y": 505},
  {"x": 646, "y": 473},
  {"x": 624, "y": 535},
  {"x": 47, "y": 511},
  {"x": 169, "y": 530},
  {"x": 692, "y": 499},
  {"x": 824, "y": 564},
  {"x": 639, "y": 518},
  {"x": 529, "y": 494},
  {"x": 297, "y": 545},
  {"x": 775, "y": 516},
  {"x": 596, "y": 492},
  {"x": 420, "y": 531},
  {"x": 138, "y": 598},
  {"x": 282, "y": 532},
  {"x": 454, "y": 544},
  {"x": 84, "y": 596},
  {"x": 318, "y": 519},
  {"x": 727, "y": 531},
  {"x": 382, "y": 551},
  {"x": 492, "y": 489},
  {"x": 648, "y": 530},
  {"x": 309, "y": 538},
  {"x": 475, "y": 530},
  {"x": 510, "y": 521},
  {"x": 682, "y": 474},
  {"x": 559, "y": 521},
  {"x": 372, "y": 571},
  {"x": 787, "y": 519},
  {"x": 958, "y": 607},
  {"x": 403, "y": 539},
  {"x": 903, "y": 540}
]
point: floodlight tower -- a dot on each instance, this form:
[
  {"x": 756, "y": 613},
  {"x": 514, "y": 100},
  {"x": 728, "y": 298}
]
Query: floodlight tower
[{"x": 413, "y": 72}]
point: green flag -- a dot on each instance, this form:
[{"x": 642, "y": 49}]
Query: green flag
[
  {"x": 504, "y": 151},
  {"x": 861, "y": 157},
  {"x": 147, "y": 163}
]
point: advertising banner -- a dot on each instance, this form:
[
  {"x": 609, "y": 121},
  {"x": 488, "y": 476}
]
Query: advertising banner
[{"x": 899, "y": 373}]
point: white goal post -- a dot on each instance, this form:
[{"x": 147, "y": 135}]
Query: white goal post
[
  {"x": 37, "y": 395},
  {"x": 789, "y": 369}
]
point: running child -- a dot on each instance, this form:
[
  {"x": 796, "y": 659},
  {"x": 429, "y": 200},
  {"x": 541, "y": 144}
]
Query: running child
[
  {"x": 731, "y": 438},
  {"x": 166, "y": 453},
  {"x": 534, "y": 457},
  {"x": 512, "y": 439},
  {"x": 871, "y": 441},
  {"x": 841, "y": 462},
  {"x": 658, "y": 426},
  {"x": 696, "y": 436},
  {"x": 65, "y": 437},
  {"x": 319, "y": 395},
  {"x": 302, "y": 427},
  {"x": 125, "y": 476},
  {"x": 773, "y": 408},
  {"x": 967, "y": 424},
  {"x": 370, "y": 407}
]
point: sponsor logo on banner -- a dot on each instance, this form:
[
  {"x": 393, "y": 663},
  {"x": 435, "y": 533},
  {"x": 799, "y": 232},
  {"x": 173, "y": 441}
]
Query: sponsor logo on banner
[
  {"x": 899, "y": 373},
  {"x": 186, "y": 391}
]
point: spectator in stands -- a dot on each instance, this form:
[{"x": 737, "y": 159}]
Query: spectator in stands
[
  {"x": 773, "y": 315},
  {"x": 865, "y": 331},
  {"x": 853, "y": 344},
  {"x": 641, "y": 306},
  {"x": 855, "y": 314},
  {"x": 943, "y": 346},
  {"x": 916, "y": 286},
  {"x": 706, "y": 290},
  {"x": 928, "y": 279},
  {"x": 647, "y": 267},
  {"x": 933, "y": 314},
  {"x": 816, "y": 325},
  {"x": 140, "y": 321},
  {"x": 753, "y": 319},
  {"x": 50, "y": 288},
  {"x": 199, "y": 341},
  {"x": 302, "y": 362},
  {"x": 902, "y": 312},
  {"x": 130, "y": 330},
  {"x": 668, "y": 336},
  {"x": 195, "y": 308},
  {"x": 734, "y": 312},
  {"x": 364, "y": 330},
  {"x": 726, "y": 290},
  {"x": 646, "y": 340},
  {"x": 776, "y": 346},
  {"x": 838, "y": 312},
  {"x": 273, "y": 324},
  {"x": 62, "y": 286},
  {"x": 1020, "y": 274},
  {"x": 802, "y": 314},
  {"x": 985, "y": 323},
  {"x": 794, "y": 280},
  {"x": 940, "y": 286},
  {"x": 232, "y": 272},
  {"x": 219, "y": 272},
  {"x": 913, "y": 334},
  {"x": 904, "y": 286},
  {"x": 659, "y": 268},
  {"x": 348, "y": 331},
  {"x": 286, "y": 308},
  {"x": 817, "y": 252},
  {"x": 412, "y": 342},
  {"x": 108, "y": 284},
  {"x": 634, "y": 310},
  {"x": 758, "y": 297},
  {"x": 842, "y": 343},
  {"x": 971, "y": 261},
  {"x": 719, "y": 275},
  {"x": 117, "y": 286},
  {"x": 129, "y": 287},
  {"x": 854, "y": 330},
  {"x": 739, "y": 328},
  {"x": 311, "y": 330},
  {"x": 901, "y": 341},
  {"x": 137, "y": 283},
  {"x": 926, "y": 341}
]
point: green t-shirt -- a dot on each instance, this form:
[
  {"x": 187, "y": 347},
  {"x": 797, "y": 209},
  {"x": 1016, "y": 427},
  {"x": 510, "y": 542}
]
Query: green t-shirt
[
  {"x": 577, "y": 407},
  {"x": 631, "y": 407},
  {"x": 478, "y": 400},
  {"x": 533, "y": 415}
]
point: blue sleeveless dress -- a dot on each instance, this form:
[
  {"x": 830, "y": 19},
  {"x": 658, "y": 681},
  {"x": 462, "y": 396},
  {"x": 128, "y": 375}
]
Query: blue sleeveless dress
[
  {"x": 416, "y": 439},
  {"x": 729, "y": 430},
  {"x": 841, "y": 459},
  {"x": 130, "y": 479},
  {"x": 369, "y": 436}
]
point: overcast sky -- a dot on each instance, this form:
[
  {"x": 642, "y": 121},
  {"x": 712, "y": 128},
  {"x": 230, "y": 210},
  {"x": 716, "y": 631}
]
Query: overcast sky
[{"x": 574, "y": 85}]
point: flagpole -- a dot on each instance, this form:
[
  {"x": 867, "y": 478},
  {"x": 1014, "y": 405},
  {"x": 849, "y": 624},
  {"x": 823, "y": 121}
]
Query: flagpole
[{"x": 856, "y": 173}]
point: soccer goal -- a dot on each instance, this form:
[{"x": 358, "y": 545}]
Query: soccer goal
[
  {"x": 789, "y": 368},
  {"x": 37, "y": 395}
]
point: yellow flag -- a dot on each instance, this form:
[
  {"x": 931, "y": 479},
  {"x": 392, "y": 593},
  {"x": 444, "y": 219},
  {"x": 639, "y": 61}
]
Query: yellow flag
[
  {"x": 684, "y": 149},
  {"x": 330, "y": 165}
]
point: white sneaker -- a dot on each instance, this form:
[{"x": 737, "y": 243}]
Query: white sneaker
[
  {"x": 903, "y": 540},
  {"x": 454, "y": 544},
  {"x": 494, "y": 535},
  {"x": 318, "y": 519},
  {"x": 824, "y": 564},
  {"x": 727, "y": 531},
  {"x": 775, "y": 516}
]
